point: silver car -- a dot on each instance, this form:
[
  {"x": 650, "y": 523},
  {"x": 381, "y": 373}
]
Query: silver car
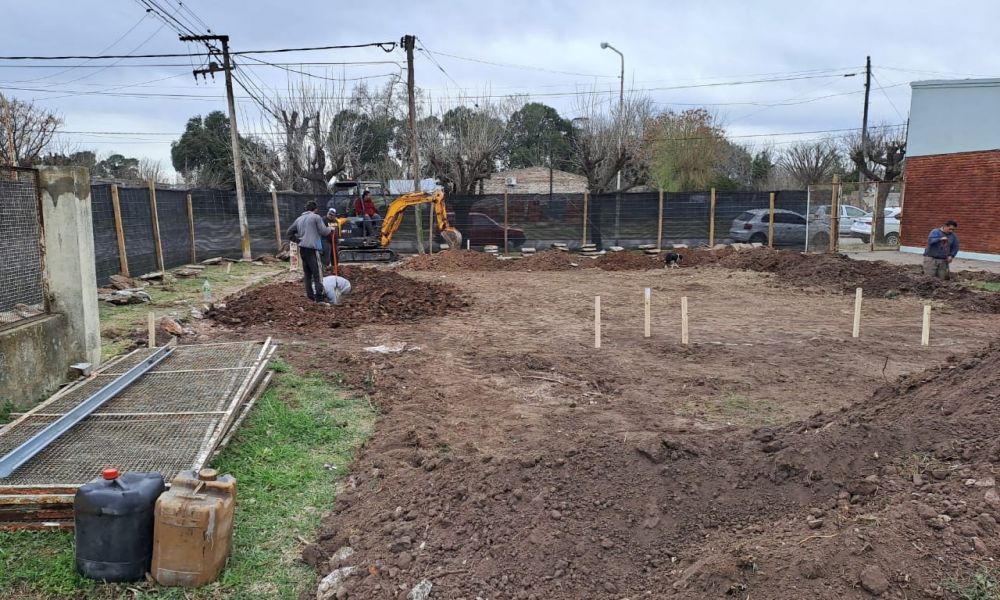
[{"x": 752, "y": 227}]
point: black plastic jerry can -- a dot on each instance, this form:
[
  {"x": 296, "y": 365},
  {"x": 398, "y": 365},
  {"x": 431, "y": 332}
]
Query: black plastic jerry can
[{"x": 114, "y": 525}]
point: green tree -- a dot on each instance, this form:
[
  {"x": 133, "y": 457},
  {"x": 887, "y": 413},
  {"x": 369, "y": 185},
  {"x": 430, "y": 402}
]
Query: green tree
[
  {"x": 203, "y": 154},
  {"x": 690, "y": 152},
  {"x": 537, "y": 133}
]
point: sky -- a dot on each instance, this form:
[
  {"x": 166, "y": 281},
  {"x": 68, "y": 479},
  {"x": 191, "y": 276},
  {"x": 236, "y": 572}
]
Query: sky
[{"x": 680, "y": 53}]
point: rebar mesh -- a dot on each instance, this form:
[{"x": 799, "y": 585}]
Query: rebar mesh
[
  {"x": 160, "y": 423},
  {"x": 21, "y": 289}
]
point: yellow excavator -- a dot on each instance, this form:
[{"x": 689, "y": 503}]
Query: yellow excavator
[{"x": 353, "y": 246}]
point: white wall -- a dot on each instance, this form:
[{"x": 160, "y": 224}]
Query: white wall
[{"x": 950, "y": 116}]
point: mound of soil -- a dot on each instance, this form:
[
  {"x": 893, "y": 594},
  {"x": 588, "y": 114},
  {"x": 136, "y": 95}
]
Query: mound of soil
[
  {"x": 629, "y": 261},
  {"x": 454, "y": 260},
  {"x": 548, "y": 260},
  {"x": 837, "y": 271},
  {"x": 377, "y": 296}
]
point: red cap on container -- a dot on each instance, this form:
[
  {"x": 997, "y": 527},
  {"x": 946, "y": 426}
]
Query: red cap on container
[{"x": 110, "y": 474}]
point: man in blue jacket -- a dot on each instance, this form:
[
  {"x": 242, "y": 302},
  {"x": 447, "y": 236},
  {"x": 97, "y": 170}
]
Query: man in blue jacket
[
  {"x": 942, "y": 247},
  {"x": 308, "y": 231}
]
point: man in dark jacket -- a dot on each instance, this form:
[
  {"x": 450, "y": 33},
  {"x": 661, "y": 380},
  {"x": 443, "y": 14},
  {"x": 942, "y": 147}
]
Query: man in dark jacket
[
  {"x": 308, "y": 231},
  {"x": 942, "y": 247}
]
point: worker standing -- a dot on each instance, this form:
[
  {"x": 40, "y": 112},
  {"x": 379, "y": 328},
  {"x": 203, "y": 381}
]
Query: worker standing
[
  {"x": 309, "y": 230},
  {"x": 336, "y": 288},
  {"x": 364, "y": 207},
  {"x": 330, "y": 220},
  {"x": 942, "y": 247}
]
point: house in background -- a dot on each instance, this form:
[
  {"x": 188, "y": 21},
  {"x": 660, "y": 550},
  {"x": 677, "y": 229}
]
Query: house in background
[
  {"x": 953, "y": 165},
  {"x": 535, "y": 180}
]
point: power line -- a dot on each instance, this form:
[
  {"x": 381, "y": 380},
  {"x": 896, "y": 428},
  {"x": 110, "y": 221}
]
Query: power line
[
  {"x": 381, "y": 45},
  {"x": 430, "y": 55},
  {"x": 314, "y": 76},
  {"x": 891, "y": 103}
]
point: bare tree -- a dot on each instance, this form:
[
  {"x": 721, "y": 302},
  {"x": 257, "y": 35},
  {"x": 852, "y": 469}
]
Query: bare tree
[
  {"x": 611, "y": 139},
  {"x": 26, "y": 131},
  {"x": 463, "y": 146},
  {"x": 151, "y": 170},
  {"x": 809, "y": 163},
  {"x": 880, "y": 158}
]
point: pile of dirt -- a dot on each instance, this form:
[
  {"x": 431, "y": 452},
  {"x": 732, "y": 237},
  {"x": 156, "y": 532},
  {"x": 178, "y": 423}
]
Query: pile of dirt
[
  {"x": 629, "y": 261},
  {"x": 548, "y": 260},
  {"x": 839, "y": 272},
  {"x": 454, "y": 260},
  {"x": 377, "y": 296}
]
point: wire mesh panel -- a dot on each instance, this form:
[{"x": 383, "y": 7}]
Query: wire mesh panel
[
  {"x": 21, "y": 284},
  {"x": 175, "y": 232},
  {"x": 216, "y": 223},
  {"x": 137, "y": 223},
  {"x": 260, "y": 219},
  {"x": 105, "y": 237}
]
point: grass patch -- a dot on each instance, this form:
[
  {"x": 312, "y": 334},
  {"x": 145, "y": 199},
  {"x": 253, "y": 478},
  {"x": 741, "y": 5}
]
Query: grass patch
[
  {"x": 6, "y": 408},
  {"x": 983, "y": 585},
  {"x": 287, "y": 458},
  {"x": 175, "y": 298},
  {"x": 736, "y": 409},
  {"x": 989, "y": 286}
]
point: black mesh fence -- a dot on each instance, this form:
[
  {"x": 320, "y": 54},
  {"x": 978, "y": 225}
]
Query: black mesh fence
[
  {"x": 216, "y": 224},
  {"x": 102, "y": 213},
  {"x": 22, "y": 290},
  {"x": 260, "y": 220},
  {"x": 175, "y": 232},
  {"x": 137, "y": 224}
]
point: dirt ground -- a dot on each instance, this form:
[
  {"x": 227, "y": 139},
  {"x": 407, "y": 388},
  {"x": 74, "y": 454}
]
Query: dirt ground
[{"x": 774, "y": 457}]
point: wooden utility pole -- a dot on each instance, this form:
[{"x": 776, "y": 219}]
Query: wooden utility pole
[
  {"x": 409, "y": 42},
  {"x": 234, "y": 135}
]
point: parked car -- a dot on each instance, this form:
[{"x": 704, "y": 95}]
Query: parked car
[
  {"x": 849, "y": 216},
  {"x": 862, "y": 228},
  {"x": 752, "y": 227},
  {"x": 481, "y": 230}
]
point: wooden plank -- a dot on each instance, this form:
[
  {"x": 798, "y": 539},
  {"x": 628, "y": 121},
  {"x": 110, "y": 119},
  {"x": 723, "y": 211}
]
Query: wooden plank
[
  {"x": 277, "y": 219},
  {"x": 586, "y": 198},
  {"x": 659, "y": 224},
  {"x": 770, "y": 222},
  {"x": 119, "y": 231},
  {"x": 711, "y": 219},
  {"x": 194, "y": 247},
  {"x": 155, "y": 218}
]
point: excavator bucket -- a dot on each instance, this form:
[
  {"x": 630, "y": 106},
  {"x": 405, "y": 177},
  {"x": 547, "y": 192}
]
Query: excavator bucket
[{"x": 453, "y": 237}]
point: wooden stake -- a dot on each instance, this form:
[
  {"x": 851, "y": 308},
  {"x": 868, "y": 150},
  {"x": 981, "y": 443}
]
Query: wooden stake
[
  {"x": 156, "y": 225},
  {"x": 857, "y": 313},
  {"x": 684, "y": 320},
  {"x": 505, "y": 221},
  {"x": 925, "y": 334},
  {"x": 586, "y": 197},
  {"x": 770, "y": 224},
  {"x": 711, "y": 219},
  {"x": 229, "y": 267},
  {"x": 468, "y": 244},
  {"x": 194, "y": 248},
  {"x": 597, "y": 321},
  {"x": 835, "y": 214},
  {"x": 646, "y": 301},
  {"x": 277, "y": 219},
  {"x": 151, "y": 328},
  {"x": 119, "y": 231},
  {"x": 659, "y": 224}
]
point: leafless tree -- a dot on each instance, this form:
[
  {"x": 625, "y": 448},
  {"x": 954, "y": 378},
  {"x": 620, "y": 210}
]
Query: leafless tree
[
  {"x": 151, "y": 170},
  {"x": 880, "y": 158},
  {"x": 609, "y": 139},
  {"x": 26, "y": 131},
  {"x": 462, "y": 147},
  {"x": 810, "y": 163}
]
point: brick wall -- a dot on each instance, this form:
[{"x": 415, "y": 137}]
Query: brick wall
[
  {"x": 963, "y": 186},
  {"x": 535, "y": 180}
]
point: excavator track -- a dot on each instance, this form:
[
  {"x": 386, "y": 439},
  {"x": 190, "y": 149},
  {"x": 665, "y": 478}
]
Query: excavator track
[{"x": 345, "y": 255}]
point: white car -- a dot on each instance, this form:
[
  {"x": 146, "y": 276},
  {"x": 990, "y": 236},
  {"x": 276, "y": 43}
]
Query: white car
[
  {"x": 862, "y": 228},
  {"x": 849, "y": 216}
]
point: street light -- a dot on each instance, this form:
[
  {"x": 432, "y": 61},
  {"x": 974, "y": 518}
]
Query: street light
[{"x": 621, "y": 126}]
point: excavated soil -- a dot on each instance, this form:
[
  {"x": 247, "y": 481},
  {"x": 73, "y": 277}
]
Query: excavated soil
[
  {"x": 549, "y": 260},
  {"x": 774, "y": 457},
  {"x": 377, "y": 296}
]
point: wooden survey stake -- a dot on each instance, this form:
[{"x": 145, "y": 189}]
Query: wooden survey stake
[
  {"x": 646, "y": 301},
  {"x": 597, "y": 321},
  {"x": 151, "y": 327},
  {"x": 925, "y": 334},
  {"x": 684, "y": 320},
  {"x": 857, "y": 313}
]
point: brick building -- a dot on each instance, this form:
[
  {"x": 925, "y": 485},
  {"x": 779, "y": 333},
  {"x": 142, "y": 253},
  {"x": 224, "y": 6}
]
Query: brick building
[
  {"x": 953, "y": 165},
  {"x": 535, "y": 180}
]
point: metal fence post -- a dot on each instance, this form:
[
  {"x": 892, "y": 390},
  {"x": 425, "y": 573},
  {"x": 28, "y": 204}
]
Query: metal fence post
[
  {"x": 770, "y": 221},
  {"x": 505, "y": 221},
  {"x": 586, "y": 197},
  {"x": 119, "y": 231},
  {"x": 194, "y": 247},
  {"x": 711, "y": 219},
  {"x": 277, "y": 219},
  {"x": 156, "y": 226},
  {"x": 835, "y": 214}
]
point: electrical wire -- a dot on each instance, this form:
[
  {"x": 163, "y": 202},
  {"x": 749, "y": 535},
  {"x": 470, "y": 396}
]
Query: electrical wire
[
  {"x": 891, "y": 103},
  {"x": 381, "y": 45}
]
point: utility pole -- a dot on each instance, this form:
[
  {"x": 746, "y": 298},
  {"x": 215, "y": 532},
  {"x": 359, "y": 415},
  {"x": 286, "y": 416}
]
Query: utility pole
[
  {"x": 864, "y": 150},
  {"x": 408, "y": 42},
  {"x": 234, "y": 135}
]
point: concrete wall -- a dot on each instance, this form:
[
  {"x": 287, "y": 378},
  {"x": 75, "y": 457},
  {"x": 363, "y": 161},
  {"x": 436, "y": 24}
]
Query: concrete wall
[
  {"x": 33, "y": 359},
  {"x": 35, "y": 354},
  {"x": 953, "y": 116}
]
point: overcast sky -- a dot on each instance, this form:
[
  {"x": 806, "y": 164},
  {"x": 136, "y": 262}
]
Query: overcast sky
[{"x": 547, "y": 50}]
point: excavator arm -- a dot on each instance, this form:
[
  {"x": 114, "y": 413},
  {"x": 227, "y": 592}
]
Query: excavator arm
[{"x": 394, "y": 217}]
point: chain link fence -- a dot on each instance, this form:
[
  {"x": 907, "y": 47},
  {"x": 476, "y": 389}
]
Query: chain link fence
[{"x": 22, "y": 287}]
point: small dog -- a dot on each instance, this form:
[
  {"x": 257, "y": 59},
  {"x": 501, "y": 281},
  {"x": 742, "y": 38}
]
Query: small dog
[{"x": 673, "y": 260}]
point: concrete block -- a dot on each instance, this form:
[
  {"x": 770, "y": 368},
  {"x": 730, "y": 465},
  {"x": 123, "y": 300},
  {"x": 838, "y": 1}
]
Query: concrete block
[
  {"x": 33, "y": 359},
  {"x": 70, "y": 271}
]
